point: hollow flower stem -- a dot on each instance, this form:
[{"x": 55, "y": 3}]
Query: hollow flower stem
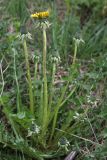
[
  {"x": 45, "y": 92},
  {"x": 75, "y": 52},
  {"x": 29, "y": 77}
]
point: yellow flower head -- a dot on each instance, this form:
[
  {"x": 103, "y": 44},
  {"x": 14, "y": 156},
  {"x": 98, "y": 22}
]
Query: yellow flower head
[{"x": 40, "y": 15}]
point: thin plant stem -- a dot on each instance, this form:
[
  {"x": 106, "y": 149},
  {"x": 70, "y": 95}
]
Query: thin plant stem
[
  {"x": 45, "y": 92},
  {"x": 41, "y": 105},
  {"x": 51, "y": 86},
  {"x": 17, "y": 83},
  {"x": 51, "y": 91},
  {"x": 2, "y": 78},
  {"x": 35, "y": 77},
  {"x": 92, "y": 128},
  {"x": 75, "y": 52},
  {"x": 79, "y": 137},
  {"x": 69, "y": 95},
  {"x": 29, "y": 77}
]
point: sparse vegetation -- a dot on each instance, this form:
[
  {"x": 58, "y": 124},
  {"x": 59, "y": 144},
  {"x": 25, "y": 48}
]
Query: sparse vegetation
[{"x": 53, "y": 69}]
